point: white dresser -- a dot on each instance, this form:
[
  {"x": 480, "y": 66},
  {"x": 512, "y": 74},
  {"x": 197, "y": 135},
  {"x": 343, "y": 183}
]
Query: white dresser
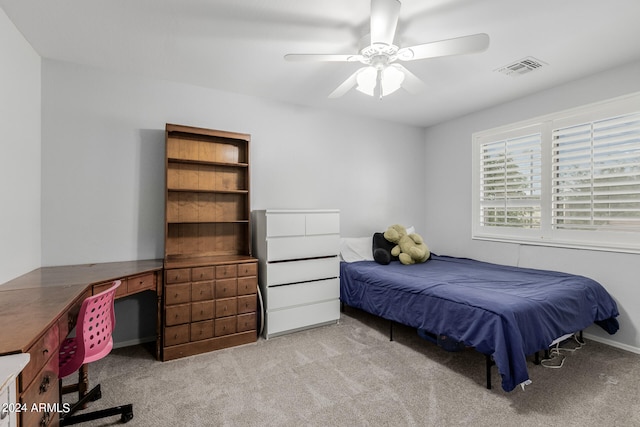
[
  {"x": 10, "y": 367},
  {"x": 299, "y": 268}
]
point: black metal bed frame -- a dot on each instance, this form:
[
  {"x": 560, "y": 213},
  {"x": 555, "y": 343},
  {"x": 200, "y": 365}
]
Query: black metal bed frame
[{"x": 489, "y": 362}]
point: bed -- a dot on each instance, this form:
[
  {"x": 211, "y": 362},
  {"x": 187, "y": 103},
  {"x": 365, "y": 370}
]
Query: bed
[{"x": 503, "y": 312}]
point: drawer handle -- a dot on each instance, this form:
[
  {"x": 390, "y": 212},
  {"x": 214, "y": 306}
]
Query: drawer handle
[
  {"x": 44, "y": 385},
  {"x": 44, "y": 421}
]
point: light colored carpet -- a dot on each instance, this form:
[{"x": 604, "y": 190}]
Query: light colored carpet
[{"x": 351, "y": 374}]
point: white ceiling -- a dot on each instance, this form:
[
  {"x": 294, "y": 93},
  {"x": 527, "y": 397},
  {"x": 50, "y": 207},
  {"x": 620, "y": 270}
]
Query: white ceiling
[{"x": 238, "y": 46}]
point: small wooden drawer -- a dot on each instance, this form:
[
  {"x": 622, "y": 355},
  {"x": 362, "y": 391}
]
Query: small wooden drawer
[
  {"x": 68, "y": 320},
  {"x": 178, "y": 275},
  {"x": 248, "y": 269},
  {"x": 141, "y": 283},
  {"x": 201, "y": 291},
  {"x": 40, "y": 353},
  {"x": 225, "y": 271},
  {"x": 247, "y": 285},
  {"x": 120, "y": 292},
  {"x": 202, "y": 310},
  {"x": 44, "y": 394},
  {"x": 247, "y": 304},
  {"x": 201, "y": 330},
  {"x": 177, "y": 314},
  {"x": 246, "y": 322},
  {"x": 177, "y": 294},
  {"x": 226, "y": 307},
  {"x": 225, "y": 326},
  {"x": 176, "y": 335},
  {"x": 202, "y": 273},
  {"x": 226, "y": 288}
]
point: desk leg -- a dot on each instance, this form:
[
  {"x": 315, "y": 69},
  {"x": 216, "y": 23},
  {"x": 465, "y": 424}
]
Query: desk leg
[{"x": 158, "y": 321}]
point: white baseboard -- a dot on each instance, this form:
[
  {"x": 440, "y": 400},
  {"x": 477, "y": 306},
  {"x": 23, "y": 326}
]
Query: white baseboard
[{"x": 612, "y": 343}]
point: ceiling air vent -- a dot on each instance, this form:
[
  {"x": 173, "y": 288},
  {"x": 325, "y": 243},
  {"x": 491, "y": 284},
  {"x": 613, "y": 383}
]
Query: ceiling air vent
[{"x": 521, "y": 67}]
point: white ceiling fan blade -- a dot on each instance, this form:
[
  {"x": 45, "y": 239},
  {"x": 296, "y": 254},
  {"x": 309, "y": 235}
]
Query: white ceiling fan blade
[
  {"x": 456, "y": 46},
  {"x": 384, "y": 19},
  {"x": 411, "y": 83},
  {"x": 320, "y": 57},
  {"x": 346, "y": 85}
]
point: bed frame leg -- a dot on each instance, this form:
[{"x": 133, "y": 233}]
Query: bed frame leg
[
  {"x": 489, "y": 363},
  {"x": 390, "y": 330}
]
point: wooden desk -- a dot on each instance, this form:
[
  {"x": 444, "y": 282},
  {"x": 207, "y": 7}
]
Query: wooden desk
[{"x": 38, "y": 309}]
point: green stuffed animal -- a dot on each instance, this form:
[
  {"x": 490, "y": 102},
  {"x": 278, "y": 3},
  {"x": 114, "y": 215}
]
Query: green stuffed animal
[{"x": 410, "y": 248}]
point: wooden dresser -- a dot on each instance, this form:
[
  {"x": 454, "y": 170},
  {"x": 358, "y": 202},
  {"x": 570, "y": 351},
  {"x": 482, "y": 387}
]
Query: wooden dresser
[
  {"x": 210, "y": 295},
  {"x": 37, "y": 311}
]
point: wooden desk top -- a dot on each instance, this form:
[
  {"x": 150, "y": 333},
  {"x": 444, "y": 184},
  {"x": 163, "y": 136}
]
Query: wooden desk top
[{"x": 31, "y": 303}]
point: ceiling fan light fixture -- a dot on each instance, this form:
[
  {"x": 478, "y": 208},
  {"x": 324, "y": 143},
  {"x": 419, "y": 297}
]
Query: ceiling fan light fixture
[
  {"x": 367, "y": 80},
  {"x": 391, "y": 81}
]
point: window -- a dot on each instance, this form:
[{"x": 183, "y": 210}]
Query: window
[{"x": 567, "y": 179}]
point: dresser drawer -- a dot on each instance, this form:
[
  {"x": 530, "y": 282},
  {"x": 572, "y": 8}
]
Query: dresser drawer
[
  {"x": 289, "y": 248},
  {"x": 302, "y": 293},
  {"x": 201, "y": 291},
  {"x": 177, "y": 294},
  {"x": 40, "y": 353},
  {"x": 177, "y": 314},
  {"x": 322, "y": 223},
  {"x": 247, "y": 269},
  {"x": 201, "y": 330},
  {"x": 202, "y": 273},
  {"x": 226, "y": 271},
  {"x": 178, "y": 275},
  {"x": 246, "y": 322},
  {"x": 226, "y": 288},
  {"x": 285, "y": 224},
  {"x": 141, "y": 283},
  {"x": 298, "y": 317},
  {"x": 202, "y": 310},
  {"x": 280, "y": 273},
  {"x": 176, "y": 335},
  {"x": 247, "y": 285},
  {"x": 247, "y": 304},
  {"x": 225, "y": 326},
  {"x": 226, "y": 307},
  {"x": 44, "y": 390}
]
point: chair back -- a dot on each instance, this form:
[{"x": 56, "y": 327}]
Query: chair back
[
  {"x": 96, "y": 322},
  {"x": 94, "y": 327}
]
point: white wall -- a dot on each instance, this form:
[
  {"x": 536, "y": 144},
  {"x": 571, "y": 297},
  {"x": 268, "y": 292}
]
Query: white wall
[
  {"x": 19, "y": 153},
  {"x": 448, "y": 198},
  {"x": 103, "y": 161},
  {"x": 103, "y": 167}
]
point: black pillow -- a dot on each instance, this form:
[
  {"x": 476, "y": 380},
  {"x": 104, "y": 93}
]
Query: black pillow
[{"x": 382, "y": 249}]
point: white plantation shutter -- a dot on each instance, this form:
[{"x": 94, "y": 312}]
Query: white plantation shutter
[
  {"x": 510, "y": 174},
  {"x": 596, "y": 175},
  {"x": 567, "y": 179}
]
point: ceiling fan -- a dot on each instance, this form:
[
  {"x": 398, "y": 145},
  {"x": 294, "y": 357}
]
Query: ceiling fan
[{"x": 381, "y": 74}]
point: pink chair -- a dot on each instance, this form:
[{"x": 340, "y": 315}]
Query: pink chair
[{"x": 92, "y": 342}]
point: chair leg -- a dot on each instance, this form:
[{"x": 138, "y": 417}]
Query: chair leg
[{"x": 125, "y": 411}]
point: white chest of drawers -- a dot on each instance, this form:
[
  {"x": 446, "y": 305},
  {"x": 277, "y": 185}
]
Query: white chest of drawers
[
  {"x": 299, "y": 268},
  {"x": 10, "y": 367}
]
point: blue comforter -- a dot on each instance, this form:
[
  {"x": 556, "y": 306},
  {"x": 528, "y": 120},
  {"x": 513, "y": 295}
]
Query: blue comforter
[{"x": 506, "y": 312}]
